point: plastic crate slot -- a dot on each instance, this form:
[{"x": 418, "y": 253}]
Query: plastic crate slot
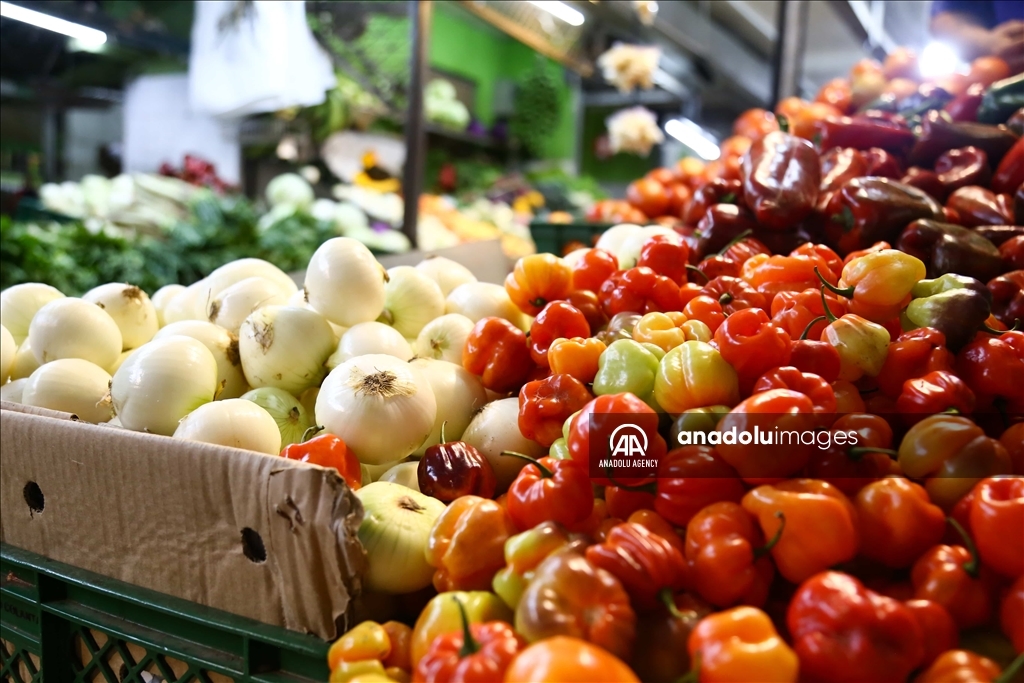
[{"x": 18, "y": 665}]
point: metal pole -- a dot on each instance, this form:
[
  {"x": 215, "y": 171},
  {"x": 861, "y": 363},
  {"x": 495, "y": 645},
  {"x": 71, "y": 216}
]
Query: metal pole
[
  {"x": 415, "y": 136},
  {"x": 789, "y": 49}
]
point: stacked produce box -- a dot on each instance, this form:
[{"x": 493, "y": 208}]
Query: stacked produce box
[{"x": 779, "y": 437}]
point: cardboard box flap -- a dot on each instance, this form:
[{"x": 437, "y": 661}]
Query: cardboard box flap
[{"x": 259, "y": 536}]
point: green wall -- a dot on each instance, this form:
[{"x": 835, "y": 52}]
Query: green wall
[{"x": 462, "y": 45}]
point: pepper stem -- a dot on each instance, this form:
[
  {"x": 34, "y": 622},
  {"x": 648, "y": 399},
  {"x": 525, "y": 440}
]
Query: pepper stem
[
  {"x": 971, "y": 566},
  {"x": 699, "y": 271},
  {"x": 734, "y": 241},
  {"x": 668, "y": 599},
  {"x": 693, "y": 675},
  {"x": 783, "y": 123},
  {"x": 829, "y": 316},
  {"x": 992, "y": 330},
  {"x": 544, "y": 471},
  {"x": 725, "y": 299},
  {"x": 847, "y": 292},
  {"x": 443, "y": 441},
  {"x": 539, "y": 302},
  {"x": 807, "y": 330},
  {"x": 855, "y": 453},
  {"x": 469, "y": 645},
  {"x": 1010, "y": 674},
  {"x": 311, "y": 432},
  {"x": 767, "y": 547}
]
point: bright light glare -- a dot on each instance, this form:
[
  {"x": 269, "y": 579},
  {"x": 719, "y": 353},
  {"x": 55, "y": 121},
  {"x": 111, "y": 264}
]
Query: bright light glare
[
  {"x": 560, "y": 10},
  {"x": 89, "y": 37},
  {"x": 694, "y": 137},
  {"x": 938, "y": 59}
]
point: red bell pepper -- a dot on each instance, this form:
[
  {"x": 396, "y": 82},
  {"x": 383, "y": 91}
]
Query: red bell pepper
[
  {"x": 691, "y": 478},
  {"x": 733, "y": 294},
  {"x": 844, "y": 632},
  {"x": 328, "y": 450},
  {"x": 839, "y": 166},
  {"x": 848, "y": 466},
  {"x": 862, "y": 132},
  {"x": 728, "y": 557},
  {"x": 592, "y": 269},
  {"x": 718, "y": 191},
  {"x": 993, "y": 367},
  {"x": 599, "y": 414},
  {"x": 496, "y": 350},
  {"x": 1011, "y": 614},
  {"x": 913, "y": 354},
  {"x": 639, "y": 290},
  {"x": 997, "y": 519},
  {"x": 926, "y": 181},
  {"x": 720, "y": 225},
  {"x": 952, "y": 576},
  {"x": 816, "y": 356},
  {"x": 897, "y": 521},
  {"x": 962, "y": 167},
  {"x": 557, "y": 319},
  {"x": 869, "y": 210},
  {"x": 882, "y": 164},
  {"x": 810, "y": 385},
  {"x": 545, "y": 405},
  {"x": 937, "y": 392},
  {"x": 802, "y": 313},
  {"x": 644, "y": 562},
  {"x": 549, "y": 490},
  {"x": 665, "y": 257},
  {"x": 1010, "y": 174},
  {"x": 938, "y": 629},
  {"x": 480, "y": 652},
  {"x": 750, "y": 342},
  {"x": 624, "y": 501},
  {"x": 977, "y": 206}
]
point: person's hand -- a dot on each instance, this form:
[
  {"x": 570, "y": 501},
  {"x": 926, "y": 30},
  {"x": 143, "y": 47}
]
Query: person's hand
[{"x": 1008, "y": 43}]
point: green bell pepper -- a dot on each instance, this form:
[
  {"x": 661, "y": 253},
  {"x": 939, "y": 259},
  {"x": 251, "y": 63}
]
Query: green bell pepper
[{"x": 627, "y": 365}]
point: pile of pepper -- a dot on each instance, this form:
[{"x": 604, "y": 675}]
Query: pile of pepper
[{"x": 864, "y": 278}]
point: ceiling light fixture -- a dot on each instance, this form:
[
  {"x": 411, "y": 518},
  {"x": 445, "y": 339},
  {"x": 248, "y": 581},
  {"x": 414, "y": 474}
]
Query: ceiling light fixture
[
  {"x": 560, "y": 10},
  {"x": 87, "y": 37},
  {"x": 694, "y": 137},
  {"x": 938, "y": 59}
]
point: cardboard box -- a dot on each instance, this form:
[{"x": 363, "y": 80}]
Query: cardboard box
[{"x": 255, "y": 535}]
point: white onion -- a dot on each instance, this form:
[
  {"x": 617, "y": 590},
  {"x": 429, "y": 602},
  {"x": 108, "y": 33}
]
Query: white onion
[
  {"x": 446, "y": 273},
  {"x": 235, "y": 423},
  {"x": 345, "y": 282},
  {"x": 285, "y": 347},
  {"x": 308, "y": 400},
  {"x": 70, "y": 385},
  {"x": 130, "y": 308},
  {"x": 477, "y": 300},
  {"x": 162, "y": 297},
  {"x": 366, "y": 338},
  {"x": 298, "y": 300},
  {"x": 629, "y": 251},
  {"x": 404, "y": 474},
  {"x": 444, "y": 338},
  {"x": 575, "y": 256},
  {"x": 233, "y": 305},
  {"x": 242, "y": 269},
  {"x": 611, "y": 239},
  {"x": 380, "y": 406},
  {"x": 411, "y": 300},
  {"x": 458, "y": 394},
  {"x": 223, "y": 345},
  {"x": 186, "y": 305},
  {"x": 25, "y": 362},
  {"x": 290, "y": 416},
  {"x": 395, "y": 531},
  {"x": 495, "y": 429},
  {"x": 74, "y": 328},
  {"x": 19, "y": 303},
  {"x": 162, "y": 382},
  {"x": 120, "y": 361},
  {"x": 8, "y": 350},
  {"x": 13, "y": 390}
]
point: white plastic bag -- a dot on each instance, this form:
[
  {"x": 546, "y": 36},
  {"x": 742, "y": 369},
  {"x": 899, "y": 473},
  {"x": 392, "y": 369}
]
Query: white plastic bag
[{"x": 255, "y": 57}]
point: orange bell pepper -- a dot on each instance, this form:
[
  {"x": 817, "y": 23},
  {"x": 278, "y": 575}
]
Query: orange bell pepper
[
  {"x": 772, "y": 275},
  {"x": 564, "y": 659},
  {"x": 569, "y": 596},
  {"x": 467, "y": 544},
  {"x": 728, "y": 558},
  {"x": 821, "y": 525},
  {"x": 960, "y": 666},
  {"x": 536, "y": 280},
  {"x": 576, "y": 357},
  {"x": 897, "y": 521},
  {"x": 706, "y": 309},
  {"x": 952, "y": 576},
  {"x": 741, "y": 645},
  {"x": 997, "y": 524}
]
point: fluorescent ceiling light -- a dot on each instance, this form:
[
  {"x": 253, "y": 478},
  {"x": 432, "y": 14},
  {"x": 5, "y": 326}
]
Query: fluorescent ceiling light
[
  {"x": 560, "y": 10},
  {"x": 86, "y": 36},
  {"x": 938, "y": 59},
  {"x": 694, "y": 137}
]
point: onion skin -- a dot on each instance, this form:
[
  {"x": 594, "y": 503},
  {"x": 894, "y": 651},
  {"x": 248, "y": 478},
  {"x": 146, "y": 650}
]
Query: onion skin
[
  {"x": 130, "y": 308},
  {"x": 479, "y": 300},
  {"x": 446, "y": 273},
  {"x": 495, "y": 429},
  {"x": 13, "y": 391},
  {"x": 18, "y": 305},
  {"x": 235, "y": 423},
  {"x": 162, "y": 382},
  {"x": 382, "y": 407},
  {"x": 236, "y": 303},
  {"x": 74, "y": 328},
  {"x": 345, "y": 283},
  {"x": 291, "y": 418},
  {"x": 403, "y": 474},
  {"x": 70, "y": 385},
  {"x": 395, "y": 531},
  {"x": 367, "y": 338},
  {"x": 25, "y": 362},
  {"x": 411, "y": 301}
]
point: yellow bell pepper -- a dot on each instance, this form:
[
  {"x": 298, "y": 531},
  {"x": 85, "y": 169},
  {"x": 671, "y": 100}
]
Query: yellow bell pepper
[
  {"x": 669, "y": 330},
  {"x": 694, "y": 375}
]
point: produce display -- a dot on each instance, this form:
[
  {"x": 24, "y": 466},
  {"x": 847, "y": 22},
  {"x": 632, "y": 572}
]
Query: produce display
[{"x": 778, "y": 435}]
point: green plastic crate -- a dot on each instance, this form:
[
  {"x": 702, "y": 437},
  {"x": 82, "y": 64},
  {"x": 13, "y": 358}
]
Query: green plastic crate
[
  {"x": 551, "y": 238},
  {"x": 59, "y": 623}
]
